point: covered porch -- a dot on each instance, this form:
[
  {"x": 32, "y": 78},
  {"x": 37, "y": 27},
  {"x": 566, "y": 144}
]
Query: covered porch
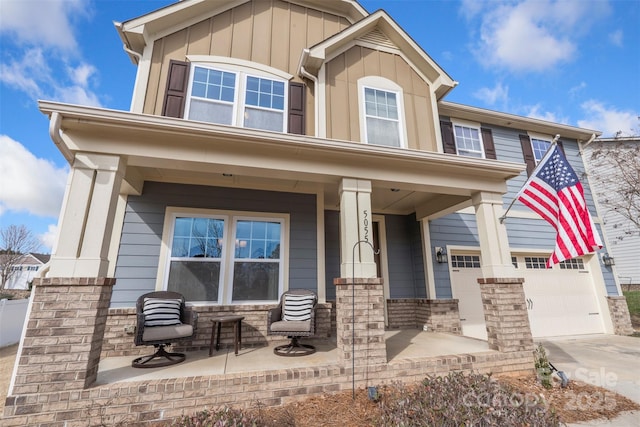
[{"x": 401, "y": 346}]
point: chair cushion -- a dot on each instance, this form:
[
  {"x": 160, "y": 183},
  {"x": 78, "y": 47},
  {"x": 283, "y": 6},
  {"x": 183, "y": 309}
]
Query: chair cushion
[
  {"x": 291, "y": 326},
  {"x": 168, "y": 333},
  {"x": 298, "y": 307},
  {"x": 161, "y": 312}
]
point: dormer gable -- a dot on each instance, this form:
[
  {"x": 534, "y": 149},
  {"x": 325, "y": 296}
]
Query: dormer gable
[{"x": 379, "y": 31}]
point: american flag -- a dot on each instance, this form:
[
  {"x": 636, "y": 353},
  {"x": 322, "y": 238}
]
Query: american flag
[{"x": 556, "y": 194}]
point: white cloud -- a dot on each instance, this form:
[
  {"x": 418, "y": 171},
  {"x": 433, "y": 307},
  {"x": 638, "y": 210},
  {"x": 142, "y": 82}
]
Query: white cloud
[
  {"x": 609, "y": 120},
  {"x": 577, "y": 88},
  {"x": 534, "y": 111},
  {"x": 29, "y": 184},
  {"x": 499, "y": 93},
  {"x": 42, "y": 22},
  {"x": 49, "y": 67},
  {"x": 616, "y": 38},
  {"x": 49, "y": 238},
  {"x": 533, "y": 35}
]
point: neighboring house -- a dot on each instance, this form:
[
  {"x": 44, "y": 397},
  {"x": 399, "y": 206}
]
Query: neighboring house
[
  {"x": 273, "y": 145},
  {"x": 25, "y": 270},
  {"x": 605, "y": 172}
]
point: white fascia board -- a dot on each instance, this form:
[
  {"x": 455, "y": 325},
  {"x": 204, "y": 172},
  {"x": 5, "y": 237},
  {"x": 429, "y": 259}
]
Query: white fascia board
[
  {"x": 481, "y": 115},
  {"x": 82, "y": 117}
]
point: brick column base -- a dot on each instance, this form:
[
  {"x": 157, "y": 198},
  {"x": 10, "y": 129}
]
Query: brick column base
[
  {"x": 367, "y": 321},
  {"x": 505, "y": 313},
  {"x": 620, "y": 315},
  {"x": 62, "y": 343}
]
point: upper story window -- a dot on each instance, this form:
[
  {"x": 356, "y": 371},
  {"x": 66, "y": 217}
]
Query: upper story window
[
  {"x": 381, "y": 117},
  {"x": 468, "y": 140},
  {"x": 539, "y": 147},
  {"x": 233, "y": 97}
]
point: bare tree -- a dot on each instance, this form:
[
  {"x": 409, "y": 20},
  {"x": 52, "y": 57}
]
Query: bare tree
[
  {"x": 618, "y": 179},
  {"x": 16, "y": 241}
]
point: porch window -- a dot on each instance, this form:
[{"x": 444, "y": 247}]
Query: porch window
[
  {"x": 237, "y": 98},
  {"x": 572, "y": 264},
  {"x": 535, "y": 263},
  {"x": 468, "y": 141},
  {"x": 256, "y": 265},
  {"x": 226, "y": 258}
]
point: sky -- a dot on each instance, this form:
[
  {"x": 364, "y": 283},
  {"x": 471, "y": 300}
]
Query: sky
[{"x": 575, "y": 62}]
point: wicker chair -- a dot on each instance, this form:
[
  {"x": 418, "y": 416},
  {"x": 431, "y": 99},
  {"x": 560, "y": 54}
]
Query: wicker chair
[
  {"x": 294, "y": 317},
  {"x": 162, "y": 319}
]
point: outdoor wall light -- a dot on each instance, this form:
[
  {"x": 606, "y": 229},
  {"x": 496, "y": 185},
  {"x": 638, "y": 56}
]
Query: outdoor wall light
[
  {"x": 608, "y": 260},
  {"x": 441, "y": 255}
]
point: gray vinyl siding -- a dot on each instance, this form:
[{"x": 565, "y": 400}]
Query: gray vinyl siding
[
  {"x": 455, "y": 229},
  {"x": 139, "y": 251},
  {"x": 404, "y": 257}
]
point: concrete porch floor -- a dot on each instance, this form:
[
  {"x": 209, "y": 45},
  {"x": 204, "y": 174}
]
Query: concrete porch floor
[{"x": 401, "y": 345}]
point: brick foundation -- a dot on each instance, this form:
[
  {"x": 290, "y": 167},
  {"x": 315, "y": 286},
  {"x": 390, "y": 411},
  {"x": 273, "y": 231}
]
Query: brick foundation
[
  {"x": 146, "y": 403},
  {"x": 620, "y": 315},
  {"x": 505, "y": 313},
  {"x": 362, "y": 317},
  {"x": 55, "y": 378}
]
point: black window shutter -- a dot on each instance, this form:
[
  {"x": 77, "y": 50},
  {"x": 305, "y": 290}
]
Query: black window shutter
[
  {"x": 489, "y": 147},
  {"x": 527, "y": 152},
  {"x": 448, "y": 140},
  {"x": 176, "y": 92},
  {"x": 296, "y": 107}
]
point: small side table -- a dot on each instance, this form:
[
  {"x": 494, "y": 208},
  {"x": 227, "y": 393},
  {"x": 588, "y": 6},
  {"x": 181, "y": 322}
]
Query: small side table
[{"x": 237, "y": 331}]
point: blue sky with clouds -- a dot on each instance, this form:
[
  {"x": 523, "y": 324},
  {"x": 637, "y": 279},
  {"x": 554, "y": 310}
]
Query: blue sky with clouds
[{"x": 571, "y": 61}]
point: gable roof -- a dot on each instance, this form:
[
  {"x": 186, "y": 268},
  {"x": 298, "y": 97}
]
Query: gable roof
[
  {"x": 379, "y": 30},
  {"x": 138, "y": 32}
]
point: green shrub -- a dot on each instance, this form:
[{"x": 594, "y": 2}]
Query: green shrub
[{"x": 463, "y": 400}]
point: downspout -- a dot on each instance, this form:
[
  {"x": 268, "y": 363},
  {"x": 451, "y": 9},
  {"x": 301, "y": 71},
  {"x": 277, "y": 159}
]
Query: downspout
[
  {"x": 55, "y": 133},
  {"x": 302, "y": 72},
  {"x": 132, "y": 52},
  {"x": 593, "y": 137}
]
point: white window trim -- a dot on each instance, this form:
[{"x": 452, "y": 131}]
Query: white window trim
[
  {"x": 242, "y": 69},
  {"x": 542, "y": 137},
  {"x": 474, "y": 125},
  {"x": 381, "y": 83},
  {"x": 228, "y": 257}
]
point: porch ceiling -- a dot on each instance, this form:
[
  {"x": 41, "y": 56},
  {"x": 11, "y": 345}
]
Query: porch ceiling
[{"x": 173, "y": 150}]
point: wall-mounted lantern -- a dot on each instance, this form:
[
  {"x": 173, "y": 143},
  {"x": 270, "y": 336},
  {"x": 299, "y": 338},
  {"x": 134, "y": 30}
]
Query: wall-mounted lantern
[
  {"x": 608, "y": 260},
  {"x": 441, "y": 255}
]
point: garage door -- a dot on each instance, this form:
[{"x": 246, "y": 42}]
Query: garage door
[{"x": 560, "y": 301}]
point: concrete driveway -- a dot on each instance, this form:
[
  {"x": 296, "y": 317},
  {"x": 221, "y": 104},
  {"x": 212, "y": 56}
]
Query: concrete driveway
[{"x": 608, "y": 361}]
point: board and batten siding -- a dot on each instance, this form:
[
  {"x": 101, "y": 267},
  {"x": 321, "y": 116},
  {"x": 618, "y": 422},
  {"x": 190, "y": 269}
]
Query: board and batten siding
[
  {"x": 269, "y": 32},
  {"x": 343, "y": 109},
  {"x": 139, "y": 251}
]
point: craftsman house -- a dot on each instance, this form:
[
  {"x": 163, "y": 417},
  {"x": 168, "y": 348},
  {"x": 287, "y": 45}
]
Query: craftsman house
[{"x": 275, "y": 145}]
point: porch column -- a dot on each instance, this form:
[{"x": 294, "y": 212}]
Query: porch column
[
  {"x": 494, "y": 244},
  {"x": 356, "y": 226},
  {"x": 505, "y": 309},
  {"x": 87, "y": 217}
]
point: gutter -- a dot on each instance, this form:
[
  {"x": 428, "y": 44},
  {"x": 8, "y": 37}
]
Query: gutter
[
  {"x": 55, "y": 133},
  {"x": 302, "y": 72},
  {"x": 593, "y": 137}
]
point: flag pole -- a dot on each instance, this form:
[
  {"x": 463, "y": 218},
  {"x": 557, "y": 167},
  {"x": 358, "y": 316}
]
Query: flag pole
[{"x": 533, "y": 173}]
